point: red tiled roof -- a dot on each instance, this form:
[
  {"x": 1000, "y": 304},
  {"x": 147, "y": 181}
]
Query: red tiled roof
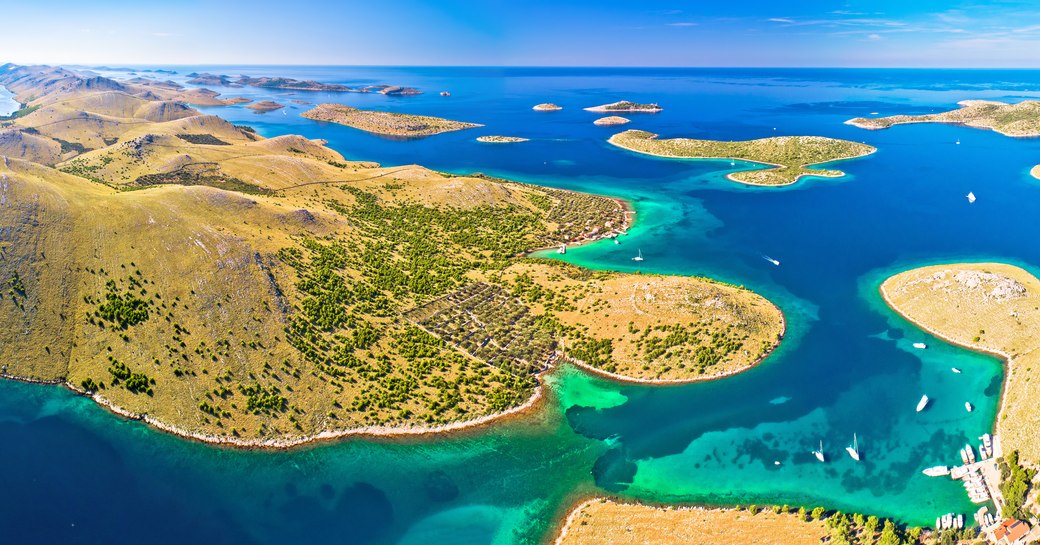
[{"x": 1017, "y": 531}]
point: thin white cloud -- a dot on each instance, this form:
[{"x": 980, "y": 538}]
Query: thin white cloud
[
  {"x": 780, "y": 20},
  {"x": 683, "y": 23},
  {"x": 873, "y": 37}
]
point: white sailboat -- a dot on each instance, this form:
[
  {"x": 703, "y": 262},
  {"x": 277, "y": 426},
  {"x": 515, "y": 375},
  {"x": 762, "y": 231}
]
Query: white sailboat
[
  {"x": 920, "y": 346},
  {"x": 771, "y": 260},
  {"x": 562, "y": 250},
  {"x": 971, "y": 197},
  {"x": 955, "y": 370},
  {"x": 819, "y": 453},
  {"x": 638, "y": 257},
  {"x": 967, "y": 406},
  {"x": 922, "y": 404},
  {"x": 854, "y": 449}
]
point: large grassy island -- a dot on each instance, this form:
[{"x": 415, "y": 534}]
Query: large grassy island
[
  {"x": 790, "y": 155},
  {"x": 1021, "y": 119},
  {"x": 989, "y": 307},
  {"x": 385, "y": 123},
  {"x": 265, "y": 291}
]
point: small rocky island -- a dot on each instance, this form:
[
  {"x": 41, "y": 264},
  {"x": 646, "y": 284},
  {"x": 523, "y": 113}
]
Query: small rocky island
[
  {"x": 611, "y": 120},
  {"x": 547, "y": 107},
  {"x": 385, "y": 123},
  {"x": 789, "y": 155},
  {"x": 1021, "y": 119},
  {"x": 398, "y": 91},
  {"x": 626, "y": 106},
  {"x": 265, "y": 106},
  {"x": 501, "y": 139}
]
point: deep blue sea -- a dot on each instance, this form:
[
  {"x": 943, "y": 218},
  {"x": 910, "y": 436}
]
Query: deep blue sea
[{"x": 72, "y": 472}]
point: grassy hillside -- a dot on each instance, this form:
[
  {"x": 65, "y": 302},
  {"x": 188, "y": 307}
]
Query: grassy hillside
[{"x": 231, "y": 286}]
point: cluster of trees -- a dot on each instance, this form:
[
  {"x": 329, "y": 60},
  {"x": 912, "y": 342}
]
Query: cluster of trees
[
  {"x": 704, "y": 344},
  {"x": 202, "y": 138},
  {"x": 1014, "y": 486},
  {"x": 849, "y": 529},
  {"x": 595, "y": 352},
  {"x": 134, "y": 382},
  {"x": 17, "y": 288},
  {"x": 124, "y": 308},
  {"x": 263, "y": 400}
]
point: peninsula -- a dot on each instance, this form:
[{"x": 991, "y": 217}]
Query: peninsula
[
  {"x": 790, "y": 156},
  {"x": 267, "y": 292},
  {"x": 1020, "y": 119},
  {"x": 990, "y": 307},
  {"x": 385, "y": 123},
  {"x": 501, "y": 139},
  {"x": 626, "y": 106}
]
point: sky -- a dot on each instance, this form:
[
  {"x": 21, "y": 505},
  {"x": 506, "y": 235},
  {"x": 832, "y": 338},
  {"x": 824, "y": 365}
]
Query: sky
[{"x": 814, "y": 33}]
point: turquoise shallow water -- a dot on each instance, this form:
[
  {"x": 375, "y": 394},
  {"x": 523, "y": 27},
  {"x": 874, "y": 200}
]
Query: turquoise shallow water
[
  {"x": 8, "y": 105},
  {"x": 846, "y": 365}
]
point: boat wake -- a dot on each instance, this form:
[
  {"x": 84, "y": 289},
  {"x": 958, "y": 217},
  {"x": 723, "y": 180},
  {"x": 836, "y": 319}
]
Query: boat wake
[{"x": 771, "y": 260}]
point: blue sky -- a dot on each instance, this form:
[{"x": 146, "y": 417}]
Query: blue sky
[{"x": 910, "y": 33}]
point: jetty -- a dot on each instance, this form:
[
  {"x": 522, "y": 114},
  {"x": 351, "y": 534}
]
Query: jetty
[{"x": 980, "y": 474}]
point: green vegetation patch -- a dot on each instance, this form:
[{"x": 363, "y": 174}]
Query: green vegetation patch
[
  {"x": 1015, "y": 482},
  {"x": 491, "y": 325},
  {"x": 201, "y": 175},
  {"x": 204, "y": 139},
  {"x": 123, "y": 307},
  {"x": 21, "y": 112}
]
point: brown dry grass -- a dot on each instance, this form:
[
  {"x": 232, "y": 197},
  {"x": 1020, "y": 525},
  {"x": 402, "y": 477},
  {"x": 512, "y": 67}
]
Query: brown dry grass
[
  {"x": 991, "y": 307},
  {"x": 606, "y": 522},
  {"x": 621, "y": 307}
]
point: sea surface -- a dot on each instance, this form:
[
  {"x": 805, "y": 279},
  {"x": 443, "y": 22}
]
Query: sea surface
[
  {"x": 71, "y": 471},
  {"x": 8, "y": 105}
]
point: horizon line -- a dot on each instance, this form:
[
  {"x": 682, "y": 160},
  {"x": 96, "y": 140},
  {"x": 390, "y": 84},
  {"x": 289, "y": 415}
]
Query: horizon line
[{"x": 556, "y": 66}]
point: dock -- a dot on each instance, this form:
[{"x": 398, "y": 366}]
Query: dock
[{"x": 981, "y": 476}]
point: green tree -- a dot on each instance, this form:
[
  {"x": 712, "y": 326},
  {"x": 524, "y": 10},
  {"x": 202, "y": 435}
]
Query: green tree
[
  {"x": 871, "y": 526},
  {"x": 890, "y": 535}
]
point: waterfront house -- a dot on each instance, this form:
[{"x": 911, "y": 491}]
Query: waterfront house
[{"x": 1011, "y": 532}]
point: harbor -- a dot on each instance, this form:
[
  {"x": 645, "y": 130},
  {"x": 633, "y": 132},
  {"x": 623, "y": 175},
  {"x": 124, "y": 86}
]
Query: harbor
[{"x": 980, "y": 475}]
